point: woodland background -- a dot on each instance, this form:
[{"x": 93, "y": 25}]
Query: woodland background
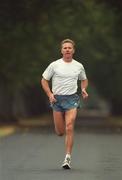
[{"x": 30, "y": 36}]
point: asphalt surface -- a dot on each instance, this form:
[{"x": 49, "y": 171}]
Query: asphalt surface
[{"x": 38, "y": 155}]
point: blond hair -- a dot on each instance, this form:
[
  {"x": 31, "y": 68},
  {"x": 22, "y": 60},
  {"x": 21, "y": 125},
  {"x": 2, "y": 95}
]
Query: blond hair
[{"x": 68, "y": 41}]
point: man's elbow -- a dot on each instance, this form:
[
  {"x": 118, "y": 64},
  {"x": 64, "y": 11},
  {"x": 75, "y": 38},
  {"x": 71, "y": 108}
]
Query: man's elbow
[
  {"x": 42, "y": 82},
  {"x": 87, "y": 81}
]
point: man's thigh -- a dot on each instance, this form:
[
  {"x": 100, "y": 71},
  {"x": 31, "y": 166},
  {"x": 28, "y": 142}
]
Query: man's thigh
[
  {"x": 59, "y": 122},
  {"x": 70, "y": 116}
]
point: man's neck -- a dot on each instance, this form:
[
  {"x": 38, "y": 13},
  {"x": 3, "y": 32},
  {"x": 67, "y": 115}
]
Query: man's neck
[{"x": 67, "y": 59}]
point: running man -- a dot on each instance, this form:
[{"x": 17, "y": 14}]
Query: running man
[{"x": 64, "y": 74}]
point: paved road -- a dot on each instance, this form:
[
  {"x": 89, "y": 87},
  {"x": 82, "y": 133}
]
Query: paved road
[{"x": 37, "y": 155}]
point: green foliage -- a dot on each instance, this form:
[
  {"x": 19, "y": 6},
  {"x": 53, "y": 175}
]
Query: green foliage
[{"x": 31, "y": 32}]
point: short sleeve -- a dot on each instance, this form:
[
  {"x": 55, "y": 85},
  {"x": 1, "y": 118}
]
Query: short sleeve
[
  {"x": 49, "y": 71},
  {"x": 82, "y": 75}
]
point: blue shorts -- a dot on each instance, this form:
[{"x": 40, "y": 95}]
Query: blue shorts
[{"x": 66, "y": 102}]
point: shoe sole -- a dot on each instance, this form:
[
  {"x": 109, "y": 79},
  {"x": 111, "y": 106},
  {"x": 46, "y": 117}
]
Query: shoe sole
[{"x": 66, "y": 166}]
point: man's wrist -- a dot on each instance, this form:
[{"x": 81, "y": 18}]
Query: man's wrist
[{"x": 83, "y": 89}]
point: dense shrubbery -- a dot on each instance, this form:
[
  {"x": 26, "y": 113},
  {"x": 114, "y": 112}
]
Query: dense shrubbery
[{"x": 30, "y": 36}]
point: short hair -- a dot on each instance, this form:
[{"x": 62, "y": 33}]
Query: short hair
[{"x": 68, "y": 41}]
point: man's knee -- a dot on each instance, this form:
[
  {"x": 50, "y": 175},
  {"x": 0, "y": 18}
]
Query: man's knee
[
  {"x": 69, "y": 127},
  {"x": 59, "y": 133}
]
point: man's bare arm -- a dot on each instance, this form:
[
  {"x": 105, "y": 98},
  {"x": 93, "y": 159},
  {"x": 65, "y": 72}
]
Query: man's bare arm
[
  {"x": 84, "y": 85},
  {"x": 46, "y": 87}
]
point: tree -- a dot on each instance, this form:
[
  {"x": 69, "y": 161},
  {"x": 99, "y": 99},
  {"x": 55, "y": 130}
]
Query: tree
[{"x": 30, "y": 36}]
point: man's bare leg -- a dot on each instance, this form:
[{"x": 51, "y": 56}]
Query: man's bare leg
[
  {"x": 70, "y": 117},
  {"x": 64, "y": 123},
  {"x": 59, "y": 122}
]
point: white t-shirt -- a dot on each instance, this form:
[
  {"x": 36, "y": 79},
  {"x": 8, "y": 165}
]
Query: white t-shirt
[{"x": 64, "y": 76}]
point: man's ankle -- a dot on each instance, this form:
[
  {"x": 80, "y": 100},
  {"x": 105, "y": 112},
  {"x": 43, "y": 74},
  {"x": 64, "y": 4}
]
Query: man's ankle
[{"x": 68, "y": 155}]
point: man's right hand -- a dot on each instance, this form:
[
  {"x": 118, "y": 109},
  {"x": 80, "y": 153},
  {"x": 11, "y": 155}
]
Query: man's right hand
[{"x": 52, "y": 98}]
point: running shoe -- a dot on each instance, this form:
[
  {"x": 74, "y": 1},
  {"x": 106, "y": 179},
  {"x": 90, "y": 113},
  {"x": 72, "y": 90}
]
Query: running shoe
[{"x": 66, "y": 163}]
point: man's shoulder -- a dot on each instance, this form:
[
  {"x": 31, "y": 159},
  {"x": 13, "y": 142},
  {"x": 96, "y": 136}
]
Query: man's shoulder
[
  {"x": 58, "y": 60},
  {"x": 77, "y": 63},
  {"x": 55, "y": 63}
]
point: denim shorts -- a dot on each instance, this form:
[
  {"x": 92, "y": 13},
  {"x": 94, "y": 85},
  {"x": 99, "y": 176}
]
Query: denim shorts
[{"x": 66, "y": 102}]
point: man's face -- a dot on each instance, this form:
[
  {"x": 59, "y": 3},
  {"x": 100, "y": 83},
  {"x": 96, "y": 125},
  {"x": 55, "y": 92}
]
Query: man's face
[{"x": 67, "y": 50}]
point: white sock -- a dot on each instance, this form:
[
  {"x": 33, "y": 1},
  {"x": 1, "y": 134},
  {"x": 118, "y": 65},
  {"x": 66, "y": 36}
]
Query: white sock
[{"x": 68, "y": 156}]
